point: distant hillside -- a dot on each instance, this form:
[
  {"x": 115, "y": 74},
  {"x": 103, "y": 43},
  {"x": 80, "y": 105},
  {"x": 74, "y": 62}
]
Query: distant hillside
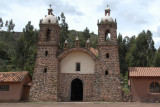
[{"x": 16, "y": 35}]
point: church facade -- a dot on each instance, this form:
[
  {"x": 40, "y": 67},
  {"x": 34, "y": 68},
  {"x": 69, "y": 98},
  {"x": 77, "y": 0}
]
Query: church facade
[{"x": 76, "y": 74}]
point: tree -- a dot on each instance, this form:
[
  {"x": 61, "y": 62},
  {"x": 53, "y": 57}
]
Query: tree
[
  {"x": 7, "y": 44},
  {"x": 122, "y": 53},
  {"x": 151, "y": 49},
  {"x": 63, "y": 31},
  {"x": 6, "y": 24},
  {"x": 86, "y": 34},
  {"x": 3, "y": 57},
  {"x": 1, "y": 23},
  {"x": 142, "y": 51},
  {"x": 157, "y": 58},
  {"x": 11, "y": 26},
  {"x": 26, "y": 49}
]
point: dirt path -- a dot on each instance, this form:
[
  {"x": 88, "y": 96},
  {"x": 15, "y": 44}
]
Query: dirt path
[{"x": 79, "y": 104}]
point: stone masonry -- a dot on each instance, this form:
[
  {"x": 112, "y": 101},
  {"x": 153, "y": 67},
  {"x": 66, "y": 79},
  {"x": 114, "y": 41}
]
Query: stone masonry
[
  {"x": 45, "y": 83},
  {"x": 50, "y": 84}
]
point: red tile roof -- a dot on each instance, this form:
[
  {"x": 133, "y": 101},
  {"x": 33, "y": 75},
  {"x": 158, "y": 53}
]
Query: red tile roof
[
  {"x": 12, "y": 76},
  {"x": 144, "y": 71},
  {"x": 94, "y": 51}
]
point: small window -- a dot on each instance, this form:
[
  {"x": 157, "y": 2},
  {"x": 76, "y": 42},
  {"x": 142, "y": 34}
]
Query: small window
[
  {"x": 154, "y": 87},
  {"x": 78, "y": 66},
  {"x": 107, "y": 55},
  {"x": 4, "y": 87},
  {"x": 46, "y": 53},
  {"x": 45, "y": 70},
  {"x": 106, "y": 73}
]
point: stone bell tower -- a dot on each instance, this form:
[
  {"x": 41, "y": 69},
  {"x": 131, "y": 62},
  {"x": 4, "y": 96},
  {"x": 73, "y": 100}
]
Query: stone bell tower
[
  {"x": 109, "y": 76},
  {"x": 45, "y": 77}
]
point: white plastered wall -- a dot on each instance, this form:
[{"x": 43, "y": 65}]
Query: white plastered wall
[{"x": 68, "y": 63}]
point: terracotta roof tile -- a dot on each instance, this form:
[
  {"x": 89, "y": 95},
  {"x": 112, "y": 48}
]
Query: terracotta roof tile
[
  {"x": 94, "y": 51},
  {"x": 144, "y": 71},
  {"x": 12, "y": 76}
]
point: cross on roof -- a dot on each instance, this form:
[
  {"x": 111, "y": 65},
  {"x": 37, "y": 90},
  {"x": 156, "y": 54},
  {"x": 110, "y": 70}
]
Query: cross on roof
[
  {"x": 50, "y": 10},
  {"x": 50, "y": 5}
]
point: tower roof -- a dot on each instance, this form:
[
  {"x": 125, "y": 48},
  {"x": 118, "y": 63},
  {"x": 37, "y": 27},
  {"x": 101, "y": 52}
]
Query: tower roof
[
  {"x": 50, "y": 18},
  {"x": 107, "y": 17}
]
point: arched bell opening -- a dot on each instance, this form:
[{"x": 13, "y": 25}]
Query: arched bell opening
[{"x": 107, "y": 35}]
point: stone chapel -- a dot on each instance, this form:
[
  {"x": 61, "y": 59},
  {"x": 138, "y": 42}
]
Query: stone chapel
[{"x": 76, "y": 74}]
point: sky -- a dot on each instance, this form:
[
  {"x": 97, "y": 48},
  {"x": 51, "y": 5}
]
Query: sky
[{"x": 132, "y": 16}]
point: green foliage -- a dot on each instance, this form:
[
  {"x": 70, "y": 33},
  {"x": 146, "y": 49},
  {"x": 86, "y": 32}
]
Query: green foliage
[
  {"x": 3, "y": 56},
  {"x": 26, "y": 49},
  {"x": 122, "y": 53},
  {"x": 65, "y": 34},
  {"x": 7, "y": 48},
  {"x": 63, "y": 31},
  {"x": 157, "y": 58},
  {"x": 3, "y": 52},
  {"x": 1, "y": 23},
  {"x": 125, "y": 86},
  {"x": 141, "y": 53},
  {"x": 8, "y": 24},
  {"x": 137, "y": 51},
  {"x": 83, "y": 36}
]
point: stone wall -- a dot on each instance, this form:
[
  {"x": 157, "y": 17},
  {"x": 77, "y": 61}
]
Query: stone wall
[
  {"x": 45, "y": 77},
  {"x": 107, "y": 86},
  {"x": 65, "y": 86},
  {"x": 102, "y": 87},
  {"x": 112, "y": 28},
  {"x": 53, "y": 37},
  {"x": 44, "y": 84}
]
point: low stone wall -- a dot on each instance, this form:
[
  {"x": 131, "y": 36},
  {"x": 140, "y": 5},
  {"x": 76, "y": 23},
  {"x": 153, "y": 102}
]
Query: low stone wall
[{"x": 127, "y": 97}]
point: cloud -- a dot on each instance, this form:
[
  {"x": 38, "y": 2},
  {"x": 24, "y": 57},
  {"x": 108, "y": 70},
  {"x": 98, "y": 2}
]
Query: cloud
[
  {"x": 132, "y": 16},
  {"x": 22, "y": 11},
  {"x": 157, "y": 42},
  {"x": 158, "y": 31},
  {"x": 156, "y": 37},
  {"x": 66, "y": 8}
]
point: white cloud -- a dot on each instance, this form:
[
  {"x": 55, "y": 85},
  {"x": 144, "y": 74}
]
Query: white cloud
[{"x": 132, "y": 16}]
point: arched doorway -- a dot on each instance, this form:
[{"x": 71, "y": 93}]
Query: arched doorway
[{"x": 76, "y": 90}]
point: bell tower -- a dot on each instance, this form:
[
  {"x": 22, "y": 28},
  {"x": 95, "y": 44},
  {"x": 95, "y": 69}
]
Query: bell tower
[
  {"x": 109, "y": 76},
  {"x": 45, "y": 77}
]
